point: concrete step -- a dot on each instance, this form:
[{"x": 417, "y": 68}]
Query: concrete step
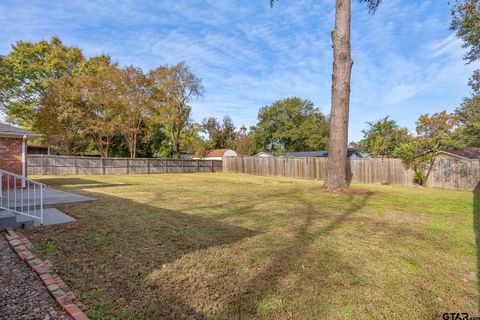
[
  {"x": 11, "y": 220},
  {"x": 7, "y": 220}
]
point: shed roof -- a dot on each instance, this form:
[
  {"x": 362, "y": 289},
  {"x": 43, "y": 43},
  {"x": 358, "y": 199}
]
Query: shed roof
[
  {"x": 216, "y": 152},
  {"x": 469, "y": 153},
  {"x": 7, "y": 130}
]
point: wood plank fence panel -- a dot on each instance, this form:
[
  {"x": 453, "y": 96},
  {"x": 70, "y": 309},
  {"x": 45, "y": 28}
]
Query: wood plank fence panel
[
  {"x": 446, "y": 173},
  {"x": 70, "y": 165}
]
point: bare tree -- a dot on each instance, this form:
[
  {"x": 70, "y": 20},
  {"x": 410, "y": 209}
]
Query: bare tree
[{"x": 342, "y": 70}]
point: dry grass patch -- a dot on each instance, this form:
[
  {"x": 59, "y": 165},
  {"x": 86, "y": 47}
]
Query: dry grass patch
[{"x": 223, "y": 246}]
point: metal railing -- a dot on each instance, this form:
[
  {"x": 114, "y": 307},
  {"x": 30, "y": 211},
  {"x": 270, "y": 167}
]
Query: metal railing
[{"x": 21, "y": 195}]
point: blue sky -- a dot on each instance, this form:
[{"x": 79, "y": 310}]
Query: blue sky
[{"x": 406, "y": 60}]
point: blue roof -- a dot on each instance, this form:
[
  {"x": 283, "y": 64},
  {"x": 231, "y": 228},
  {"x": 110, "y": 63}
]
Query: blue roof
[
  {"x": 315, "y": 154},
  {"x": 324, "y": 154}
]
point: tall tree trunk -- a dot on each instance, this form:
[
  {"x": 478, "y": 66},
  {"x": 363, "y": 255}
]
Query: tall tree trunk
[
  {"x": 134, "y": 145},
  {"x": 336, "y": 177}
]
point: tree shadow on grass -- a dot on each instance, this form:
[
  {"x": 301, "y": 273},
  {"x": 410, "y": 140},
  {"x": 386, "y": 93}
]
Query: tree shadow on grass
[
  {"x": 476, "y": 228},
  {"x": 108, "y": 253},
  {"x": 81, "y": 183},
  {"x": 116, "y": 243},
  {"x": 285, "y": 260},
  {"x": 55, "y": 180}
]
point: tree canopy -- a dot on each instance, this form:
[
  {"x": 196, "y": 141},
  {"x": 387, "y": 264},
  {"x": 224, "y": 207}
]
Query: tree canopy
[
  {"x": 466, "y": 24},
  {"x": 221, "y": 135},
  {"x": 291, "y": 124},
  {"x": 90, "y": 105},
  {"x": 434, "y": 132},
  {"x": 382, "y": 137},
  {"x": 30, "y": 69}
]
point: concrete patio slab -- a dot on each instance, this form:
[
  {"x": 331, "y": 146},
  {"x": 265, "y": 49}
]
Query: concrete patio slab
[
  {"x": 50, "y": 216},
  {"x": 53, "y": 196},
  {"x": 31, "y": 196},
  {"x": 28, "y": 201}
]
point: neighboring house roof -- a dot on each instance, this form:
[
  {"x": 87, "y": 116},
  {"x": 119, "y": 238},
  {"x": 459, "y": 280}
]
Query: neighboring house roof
[
  {"x": 220, "y": 153},
  {"x": 324, "y": 154},
  {"x": 7, "y": 130},
  {"x": 467, "y": 153},
  {"x": 365, "y": 155},
  {"x": 316, "y": 154}
]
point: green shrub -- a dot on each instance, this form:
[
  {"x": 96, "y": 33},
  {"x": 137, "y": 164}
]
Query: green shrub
[{"x": 419, "y": 177}]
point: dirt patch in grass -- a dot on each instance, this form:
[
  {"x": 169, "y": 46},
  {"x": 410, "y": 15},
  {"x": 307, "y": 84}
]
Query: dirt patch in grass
[{"x": 219, "y": 246}]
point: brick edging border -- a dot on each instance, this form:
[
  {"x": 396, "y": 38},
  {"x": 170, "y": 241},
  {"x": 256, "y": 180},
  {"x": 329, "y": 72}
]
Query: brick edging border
[{"x": 65, "y": 298}]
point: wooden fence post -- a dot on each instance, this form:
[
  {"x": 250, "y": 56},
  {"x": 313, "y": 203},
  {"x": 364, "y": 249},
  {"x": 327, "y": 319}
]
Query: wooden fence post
[
  {"x": 212, "y": 164},
  {"x": 148, "y": 165},
  {"x": 44, "y": 166},
  {"x": 165, "y": 166},
  {"x": 76, "y": 166},
  {"x": 198, "y": 165},
  {"x": 183, "y": 166},
  {"x": 103, "y": 166},
  {"x": 127, "y": 166}
]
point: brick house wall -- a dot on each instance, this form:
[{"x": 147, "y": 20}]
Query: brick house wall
[{"x": 11, "y": 156}]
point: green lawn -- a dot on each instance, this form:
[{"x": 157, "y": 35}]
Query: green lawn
[{"x": 226, "y": 246}]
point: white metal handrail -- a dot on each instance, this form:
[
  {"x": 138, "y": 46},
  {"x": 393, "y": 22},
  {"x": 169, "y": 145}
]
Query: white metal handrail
[{"x": 21, "y": 195}]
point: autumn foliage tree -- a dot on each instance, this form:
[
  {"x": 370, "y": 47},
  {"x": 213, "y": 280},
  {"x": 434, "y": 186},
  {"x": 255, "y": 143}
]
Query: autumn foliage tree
[
  {"x": 173, "y": 88},
  {"x": 28, "y": 72},
  {"x": 131, "y": 96},
  {"x": 243, "y": 142},
  {"x": 62, "y": 119},
  {"x": 221, "y": 134},
  {"x": 434, "y": 132}
]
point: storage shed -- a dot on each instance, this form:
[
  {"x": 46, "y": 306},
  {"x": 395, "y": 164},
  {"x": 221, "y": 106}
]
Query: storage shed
[{"x": 218, "y": 154}]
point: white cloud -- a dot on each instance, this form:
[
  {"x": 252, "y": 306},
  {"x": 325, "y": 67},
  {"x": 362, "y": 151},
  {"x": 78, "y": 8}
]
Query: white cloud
[{"x": 406, "y": 60}]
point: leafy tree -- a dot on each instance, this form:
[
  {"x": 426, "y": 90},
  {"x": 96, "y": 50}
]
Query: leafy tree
[
  {"x": 342, "y": 70},
  {"x": 243, "y": 142},
  {"x": 101, "y": 121},
  {"x": 132, "y": 94},
  {"x": 211, "y": 126},
  {"x": 173, "y": 88},
  {"x": 89, "y": 105},
  {"x": 61, "y": 118},
  {"x": 382, "y": 137},
  {"x": 433, "y": 133},
  {"x": 291, "y": 124},
  {"x": 191, "y": 139},
  {"x": 466, "y": 24},
  {"x": 27, "y": 73},
  {"x": 220, "y": 135},
  {"x": 469, "y": 116}
]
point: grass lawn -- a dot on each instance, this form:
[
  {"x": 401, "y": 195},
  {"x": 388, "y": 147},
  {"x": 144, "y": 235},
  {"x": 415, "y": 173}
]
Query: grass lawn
[{"x": 224, "y": 246}]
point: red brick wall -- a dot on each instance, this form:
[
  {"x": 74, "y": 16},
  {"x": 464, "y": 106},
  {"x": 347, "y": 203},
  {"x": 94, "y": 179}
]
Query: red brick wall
[{"x": 11, "y": 155}]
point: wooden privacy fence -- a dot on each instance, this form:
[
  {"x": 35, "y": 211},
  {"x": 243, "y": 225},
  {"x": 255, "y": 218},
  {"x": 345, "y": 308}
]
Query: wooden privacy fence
[
  {"x": 446, "y": 173},
  {"x": 63, "y": 165}
]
